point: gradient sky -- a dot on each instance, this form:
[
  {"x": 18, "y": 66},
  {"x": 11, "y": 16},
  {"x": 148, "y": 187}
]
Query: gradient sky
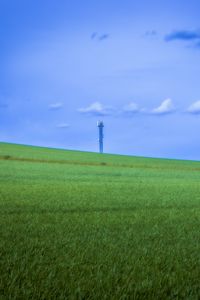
[{"x": 133, "y": 64}]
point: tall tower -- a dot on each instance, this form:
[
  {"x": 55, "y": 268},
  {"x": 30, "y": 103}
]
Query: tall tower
[{"x": 101, "y": 126}]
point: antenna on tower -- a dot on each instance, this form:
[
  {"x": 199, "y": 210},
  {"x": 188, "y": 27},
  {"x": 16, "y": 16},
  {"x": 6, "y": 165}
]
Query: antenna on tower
[{"x": 101, "y": 126}]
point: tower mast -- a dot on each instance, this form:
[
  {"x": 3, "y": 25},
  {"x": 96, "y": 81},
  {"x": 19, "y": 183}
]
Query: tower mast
[{"x": 101, "y": 126}]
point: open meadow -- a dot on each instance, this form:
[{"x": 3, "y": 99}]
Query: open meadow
[{"x": 78, "y": 225}]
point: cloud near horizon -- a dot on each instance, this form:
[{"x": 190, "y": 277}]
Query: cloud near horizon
[
  {"x": 93, "y": 35},
  {"x": 131, "y": 108},
  {"x": 194, "y": 108},
  {"x": 97, "y": 109},
  {"x": 104, "y": 37},
  {"x": 183, "y": 35},
  {"x": 166, "y": 107},
  {"x": 150, "y": 33},
  {"x": 63, "y": 125},
  {"x": 101, "y": 37},
  {"x": 55, "y": 106}
]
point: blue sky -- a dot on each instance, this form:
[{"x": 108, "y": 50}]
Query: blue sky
[{"x": 133, "y": 64}]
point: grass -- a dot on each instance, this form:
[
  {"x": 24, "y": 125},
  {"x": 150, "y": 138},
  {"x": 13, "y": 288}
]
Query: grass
[{"x": 80, "y": 225}]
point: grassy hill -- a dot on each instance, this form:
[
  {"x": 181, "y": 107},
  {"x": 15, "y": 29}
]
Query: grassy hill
[{"x": 80, "y": 225}]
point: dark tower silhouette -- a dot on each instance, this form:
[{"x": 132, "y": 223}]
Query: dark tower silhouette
[{"x": 101, "y": 126}]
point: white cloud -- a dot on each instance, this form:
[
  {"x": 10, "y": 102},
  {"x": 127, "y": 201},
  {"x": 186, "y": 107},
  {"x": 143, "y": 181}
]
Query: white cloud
[
  {"x": 165, "y": 107},
  {"x": 194, "y": 108},
  {"x": 55, "y": 106},
  {"x": 62, "y": 125},
  {"x": 132, "y": 107},
  {"x": 97, "y": 109}
]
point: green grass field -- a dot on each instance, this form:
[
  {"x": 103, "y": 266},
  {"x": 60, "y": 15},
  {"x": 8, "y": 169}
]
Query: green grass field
[{"x": 80, "y": 225}]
